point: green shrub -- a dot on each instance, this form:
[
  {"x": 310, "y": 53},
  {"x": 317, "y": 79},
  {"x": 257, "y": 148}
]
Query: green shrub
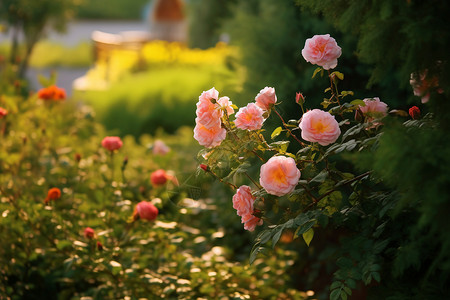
[{"x": 163, "y": 98}]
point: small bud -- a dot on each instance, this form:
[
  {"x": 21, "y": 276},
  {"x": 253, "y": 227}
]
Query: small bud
[
  {"x": 204, "y": 167},
  {"x": 414, "y": 112},
  {"x": 77, "y": 157},
  {"x": 99, "y": 246},
  {"x": 299, "y": 98}
]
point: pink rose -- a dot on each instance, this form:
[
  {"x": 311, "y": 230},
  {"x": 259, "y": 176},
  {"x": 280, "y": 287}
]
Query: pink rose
[
  {"x": 211, "y": 94},
  {"x": 159, "y": 147},
  {"x": 279, "y": 175},
  {"x": 374, "y": 108},
  {"x": 226, "y": 104},
  {"x": 208, "y": 113},
  {"x": 112, "y": 143},
  {"x": 145, "y": 210},
  {"x": 250, "y": 222},
  {"x": 322, "y": 50},
  {"x": 243, "y": 203},
  {"x": 249, "y": 117},
  {"x": 209, "y": 137},
  {"x": 319, "y": 126},
  {"x": 266, "y": 98}
]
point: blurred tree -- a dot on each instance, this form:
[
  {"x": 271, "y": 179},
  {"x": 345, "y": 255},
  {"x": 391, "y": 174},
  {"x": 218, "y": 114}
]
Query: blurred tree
[
  {"x": 31, "y": 19},
  {"x": 205, "y": 21}
]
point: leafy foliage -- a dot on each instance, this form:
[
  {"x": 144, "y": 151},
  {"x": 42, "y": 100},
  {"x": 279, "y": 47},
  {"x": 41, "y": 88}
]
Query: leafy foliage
[{"x": 46, "y": 253}]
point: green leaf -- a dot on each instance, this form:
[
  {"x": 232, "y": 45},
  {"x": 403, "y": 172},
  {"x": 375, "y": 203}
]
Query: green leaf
[
  {"x": 343, "y": 295},
  {"x": 317, "y": 70},
  {"x": 358, "y": 102},
  {"x": 276, "y": 132},
  {"x": 276, "y": 237},
  {"x": 335, "y": 294},
  {"x": 308, "y": 236},
  {"x": 319, "y": 178},
  {"x": 63, "y": 244},
  {"x": 302, "y": 229},
  {"x": 338, "y": 75}
]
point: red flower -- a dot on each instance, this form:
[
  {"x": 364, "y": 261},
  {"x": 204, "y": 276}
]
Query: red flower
[
  {"x": 112, "y": 143},
  {"x": 52, "y": 93},
  {"x": 145, "y": 210},
  {"x": 204, "y": 167},
  {"x": 159, "y": 177},
  {"x": 414, "y": 112},
  {"x": 89, "y": 233},
  {"x": 53, "y": 194},
  {"x": 3, "y": 112}
]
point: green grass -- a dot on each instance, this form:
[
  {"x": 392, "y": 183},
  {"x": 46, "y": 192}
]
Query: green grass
[
  {"x": 49, "y": 54},
  {"x": 162, "y": 98}
]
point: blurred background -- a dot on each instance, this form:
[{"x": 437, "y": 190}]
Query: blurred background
[{"x": 135, "y": 61}]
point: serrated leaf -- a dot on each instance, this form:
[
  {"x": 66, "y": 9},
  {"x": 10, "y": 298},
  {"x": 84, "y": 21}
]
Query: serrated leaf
[
  {"x": 358, "y": 102},
  {"x": 336, "y": 285},
  {"x": 304, "y": 228},
  {"x": 343, "y": 295},
  {"x": 308, "y": 236},
  {"x": 276, "y": 132},
  {"x": 335, "y": 294}
]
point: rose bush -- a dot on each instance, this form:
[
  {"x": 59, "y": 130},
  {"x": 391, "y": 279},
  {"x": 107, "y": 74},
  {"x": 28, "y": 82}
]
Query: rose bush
[{"x": 317, "y": 180}]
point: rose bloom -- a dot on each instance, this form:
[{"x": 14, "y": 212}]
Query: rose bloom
[
  {"x": 319, "y": 126},
  {"x": 250, "y": 222},
  {"x": 52, "y": 93},
  {"x": 226, "y": 104},
  {"x": 53, "y": 194},
  {"x": 243, "y": 200},
  {"x": 208, "y": 113},
  {"x": 249, "y": 117},
  {"x": 211, "y": 94},
  {"x": 112, "y": 143},
  {"x": 160, "y": 148},
  {"x": 279, "y": 175},
  {"x": 159, "y": 177},
  {"x": 209, "y": 137},
  {"x": 374, "y": 108},
  {"x": 266, "y": 98},
  {"x": 89, "y": 233},
  {"x": 145, "y": 210},
  {"x": 243, "y": 203},
  {"x": 3, "y": 112},
  {"x": 414, "y": 112},
  {"x": 322, "y": 50}
]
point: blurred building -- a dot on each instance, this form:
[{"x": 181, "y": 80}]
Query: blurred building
[{"x": 168, "y": 21}]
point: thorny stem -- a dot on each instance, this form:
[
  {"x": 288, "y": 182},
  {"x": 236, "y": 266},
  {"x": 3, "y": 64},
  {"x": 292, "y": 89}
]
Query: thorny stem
[
  {"x": 237, "y": 138},
  {"x": 221, "y": 180},
  {"x": 285, "y": 126}
]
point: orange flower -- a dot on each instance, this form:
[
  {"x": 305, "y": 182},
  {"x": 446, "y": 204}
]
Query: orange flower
[
  {"x": 52, "y": 93},
  {"x": 53, "y": 194}
]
